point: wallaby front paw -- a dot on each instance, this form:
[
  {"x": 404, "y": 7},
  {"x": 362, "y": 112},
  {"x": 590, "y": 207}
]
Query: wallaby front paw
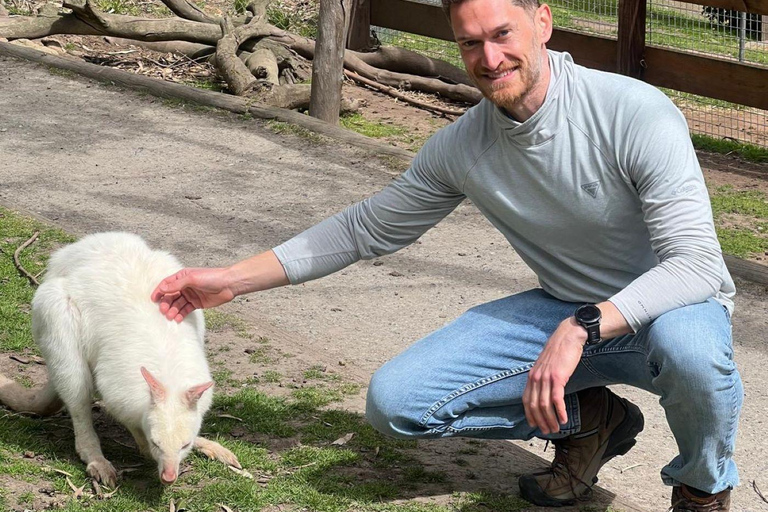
[
  {"x": 103, "y": 471},
  {"x": 214, "y": 450}
]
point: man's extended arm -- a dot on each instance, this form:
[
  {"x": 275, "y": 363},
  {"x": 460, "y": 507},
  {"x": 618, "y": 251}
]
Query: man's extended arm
[{"x": 384, "y": 223}]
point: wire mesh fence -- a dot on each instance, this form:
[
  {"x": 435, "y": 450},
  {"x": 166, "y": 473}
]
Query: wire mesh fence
[{"x": 709, "y": 31}]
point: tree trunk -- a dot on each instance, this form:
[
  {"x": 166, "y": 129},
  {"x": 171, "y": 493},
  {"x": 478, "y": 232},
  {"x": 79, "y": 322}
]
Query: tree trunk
[{"x": 328, "y": 64}]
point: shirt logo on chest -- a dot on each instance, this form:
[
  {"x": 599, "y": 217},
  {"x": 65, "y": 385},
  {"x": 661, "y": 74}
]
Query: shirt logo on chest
[{"x": 591, "y": 188}]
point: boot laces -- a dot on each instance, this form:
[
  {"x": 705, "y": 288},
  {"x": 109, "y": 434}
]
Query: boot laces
[{"x": 560, "y": 468}]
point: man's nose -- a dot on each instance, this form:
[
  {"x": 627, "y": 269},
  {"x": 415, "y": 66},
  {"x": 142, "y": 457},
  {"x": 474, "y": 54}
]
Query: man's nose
[{"x": 492, "y": 56}]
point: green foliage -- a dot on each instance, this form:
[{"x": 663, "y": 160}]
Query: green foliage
[
  {"x": 16, "y": 296},
  {"x": 748, "y": 152},
  {"x": 280, "y": 128},
  {"x": 744, "y": 202},
  {"x": 748, "y": 209},
  {"x": 300, "y": 19},
  {"x": 129, "y": 7},
  {"x": 356, "y": 122}
]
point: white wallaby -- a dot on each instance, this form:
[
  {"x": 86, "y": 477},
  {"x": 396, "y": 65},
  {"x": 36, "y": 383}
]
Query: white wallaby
[{"x": 100, "y": 333}]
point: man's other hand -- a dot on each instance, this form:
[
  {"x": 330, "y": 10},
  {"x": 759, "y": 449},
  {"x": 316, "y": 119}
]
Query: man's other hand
[{"x": 544, "y": 395}]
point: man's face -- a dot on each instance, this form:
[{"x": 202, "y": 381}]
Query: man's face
[{"x": 502, "y": 46}]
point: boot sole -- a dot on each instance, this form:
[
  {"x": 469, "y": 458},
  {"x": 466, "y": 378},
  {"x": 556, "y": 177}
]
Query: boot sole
[{"x": 632, "y": 424}]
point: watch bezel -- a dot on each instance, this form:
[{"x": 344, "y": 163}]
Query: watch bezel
[{"x": 591, "y": 324}]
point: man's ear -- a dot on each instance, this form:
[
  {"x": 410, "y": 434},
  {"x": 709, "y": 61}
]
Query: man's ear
[{"x": 542, "y": 18}]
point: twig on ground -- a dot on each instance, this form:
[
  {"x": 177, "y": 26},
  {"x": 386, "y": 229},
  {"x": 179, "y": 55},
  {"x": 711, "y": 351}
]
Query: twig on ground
[
  {"x": 397, "y": 94},
  {"x": 633, "y": 466},
  {"x": 16, "y": 261},
  {"x": 757, "y": 490}
]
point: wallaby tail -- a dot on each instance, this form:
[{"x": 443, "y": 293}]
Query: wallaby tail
[{"x": 43, "y": 401}]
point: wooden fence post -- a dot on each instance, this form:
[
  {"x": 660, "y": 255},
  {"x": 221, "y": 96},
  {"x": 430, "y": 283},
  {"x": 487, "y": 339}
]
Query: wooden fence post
[
  {"x": 631, "y": 38},
  {"x": 328, "y": 62},
  {"x": 359, "y": 25}
]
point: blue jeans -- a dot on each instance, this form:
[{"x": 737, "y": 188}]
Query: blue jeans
[{"x": 467, "y": 379}]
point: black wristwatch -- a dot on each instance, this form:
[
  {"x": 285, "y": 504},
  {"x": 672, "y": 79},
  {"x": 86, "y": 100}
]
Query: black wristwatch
[{"x": 588, "y": 316}]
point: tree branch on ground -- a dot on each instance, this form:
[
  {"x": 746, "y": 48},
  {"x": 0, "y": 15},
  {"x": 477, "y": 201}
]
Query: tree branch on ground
[{"x": 240, "y": 50}]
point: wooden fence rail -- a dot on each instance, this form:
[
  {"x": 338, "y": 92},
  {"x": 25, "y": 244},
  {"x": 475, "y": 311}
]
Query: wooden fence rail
[{"x": 713, "y": 77}]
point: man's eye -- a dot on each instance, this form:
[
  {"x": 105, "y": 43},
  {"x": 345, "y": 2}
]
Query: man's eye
[{"x": 468, "y": 44}]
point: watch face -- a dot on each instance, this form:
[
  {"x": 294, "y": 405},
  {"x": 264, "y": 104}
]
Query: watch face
[{"x": 588, "y": 313}]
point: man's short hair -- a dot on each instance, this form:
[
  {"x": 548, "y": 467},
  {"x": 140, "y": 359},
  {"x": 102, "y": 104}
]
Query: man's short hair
[{"x": 528, "y": 5}]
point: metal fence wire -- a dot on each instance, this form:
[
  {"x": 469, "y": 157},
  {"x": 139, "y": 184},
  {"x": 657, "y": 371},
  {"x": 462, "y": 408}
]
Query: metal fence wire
[{"x": 723, "y": 33}]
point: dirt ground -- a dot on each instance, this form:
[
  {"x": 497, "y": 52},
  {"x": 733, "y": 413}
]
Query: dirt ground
[{"x": 214, "y": 188}]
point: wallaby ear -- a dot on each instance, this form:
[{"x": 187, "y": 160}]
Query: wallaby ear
[
  {"x": 195, "y": 392},
  {"x": 156, "y": 389}
]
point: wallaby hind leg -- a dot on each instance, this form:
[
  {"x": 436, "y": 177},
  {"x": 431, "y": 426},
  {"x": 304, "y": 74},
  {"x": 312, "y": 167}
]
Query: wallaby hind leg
[
  {"x": 214, "y": 450},
  {"x": 55, "y": 327}
]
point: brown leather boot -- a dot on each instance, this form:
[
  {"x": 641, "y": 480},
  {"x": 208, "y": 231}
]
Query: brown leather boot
[
  {"x": 684, "y": 501},
  {"x": 609, "y": 425}
]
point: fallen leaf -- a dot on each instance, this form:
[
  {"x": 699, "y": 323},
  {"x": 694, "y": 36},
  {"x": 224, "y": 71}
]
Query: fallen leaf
[
  {"x": 241, "y": 472},
  {"x": 60, "y": 471},
  {"x": 77, "y": 490},
  {"x": 230, "y": 417},
  {"x": 225, "y": 508},
  {"x": 343, "y": 440},
  {"x": 111, "y": 493},
  {"x": 20, "y": 359}
]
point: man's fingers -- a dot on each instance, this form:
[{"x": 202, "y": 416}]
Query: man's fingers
[
  {"x": 527, "y": 405},
  {"x": 171, "y": 285},
  {"x": 546, "y": 409},
  {"x": 184, "y": 312},
  {"x": 558, "y": 398}
]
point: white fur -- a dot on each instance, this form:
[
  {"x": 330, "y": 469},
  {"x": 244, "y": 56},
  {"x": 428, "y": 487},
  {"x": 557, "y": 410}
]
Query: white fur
[{"x": 97, "y": 327}]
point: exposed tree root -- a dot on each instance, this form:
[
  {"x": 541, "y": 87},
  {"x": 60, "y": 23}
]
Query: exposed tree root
[{"x": 240, "y": 49}]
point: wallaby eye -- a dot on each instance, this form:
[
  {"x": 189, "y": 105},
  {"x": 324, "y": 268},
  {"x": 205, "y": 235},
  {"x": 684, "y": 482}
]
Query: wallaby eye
[
  {"x": 186, "y": 445},
  {"x": 154, "y": 444}
]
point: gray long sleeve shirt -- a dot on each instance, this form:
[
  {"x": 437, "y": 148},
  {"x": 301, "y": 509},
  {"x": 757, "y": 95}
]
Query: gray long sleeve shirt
[{"x": 599, "y": 192}]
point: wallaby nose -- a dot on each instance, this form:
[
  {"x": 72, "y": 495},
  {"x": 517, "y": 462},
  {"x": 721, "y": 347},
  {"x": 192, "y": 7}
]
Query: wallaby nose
[{"x": 168, "y": 476}]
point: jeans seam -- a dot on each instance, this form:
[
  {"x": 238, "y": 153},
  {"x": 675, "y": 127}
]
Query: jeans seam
[
  {"x": 729, "y": 441},
  {"x": 471, "y": 387},
  {"x": 588, "y": 365}
]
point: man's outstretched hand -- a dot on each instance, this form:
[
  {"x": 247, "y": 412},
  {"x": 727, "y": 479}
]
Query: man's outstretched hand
[
  {"x": 192, "y": 288},
  {"x": 201, "y": 288}
]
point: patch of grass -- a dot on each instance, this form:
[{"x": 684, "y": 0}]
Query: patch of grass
[
  {"x": 484, "y": 501},
  {"x": 223, "y": 377},
  {"x": 218, "y": 321},
  {"x": 724, "y": 146},
  {"x": 272, "y": 376},
  {"x": 119, "y": 7},
  {"x": 16, "y": 295},
  {"x": 210, "y": 84},
  {"x": 26, "y": 498},
  {"x": 260, "y": 356},
  {"x": 281, "y": 128},
  {"x": 745, "y": 202},
  {"x": 62, "y": 72},
  {"x": 750, "y": 207},
  {"x": 741, "y": 242},
  {"x": 357, "y": 123},
  {"x": 24, "y": 381},
  {"x": 300, "y": 19}
]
